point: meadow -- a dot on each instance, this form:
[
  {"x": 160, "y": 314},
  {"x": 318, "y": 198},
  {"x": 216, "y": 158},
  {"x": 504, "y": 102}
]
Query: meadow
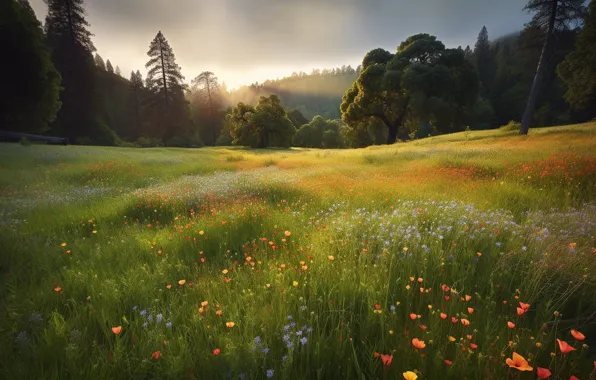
[{"x": 464, "y": 256}]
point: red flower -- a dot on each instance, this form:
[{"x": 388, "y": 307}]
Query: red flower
[
  {"x": 116, "y": 330},
  {"x": 448, "y": 362},
  {"x": 443, "y": 315},
  {"x": 156, "y": 355},
  {"x": 573, "y": 378},
  {"x": 454, "y": 320},
  {"x": 577, "y": 335},
  {"x": 413, "y": 316},
  {"x": 386, "y": 360},
  {"x": 216, "y": 351},
  {"x": 377, "y": 306},
  {"x": 543, "y": 373},
  {"x": 565, "y": 348},
  {"x": 418, "y": 343},
  {"x": 473, "y": 346},
  {"x": 524, "y": 306},
  {"x": 520, "y": 311}
]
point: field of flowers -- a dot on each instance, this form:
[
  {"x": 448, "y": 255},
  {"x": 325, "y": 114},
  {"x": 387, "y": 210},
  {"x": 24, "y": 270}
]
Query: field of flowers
[{"x": 468, "y": 256}]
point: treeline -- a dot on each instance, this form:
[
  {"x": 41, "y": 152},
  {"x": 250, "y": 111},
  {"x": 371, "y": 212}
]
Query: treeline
[{"x": 56, "y": 83}]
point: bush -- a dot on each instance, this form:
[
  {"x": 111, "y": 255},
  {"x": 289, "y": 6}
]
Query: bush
[
  {"x": 511, "y": 126},
  {"x": 25, "y": 141},
  {"x": 143, "y": 142},
  {"x": 195, "y": 141},
  {"x": 177, "y": 141}
]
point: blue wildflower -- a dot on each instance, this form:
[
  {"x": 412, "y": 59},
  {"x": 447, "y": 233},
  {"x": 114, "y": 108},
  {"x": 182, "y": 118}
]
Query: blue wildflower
[
  {"x": 149, "y": 317},
  {"x": 270, "y": 373},
  {"x": 286, "y": 327},
  {"x": 134, "y": 308},
  {"x": 290, "y": 318},
  {"x": 168, "y": 324},
  {"x": 392, "y": 307},
  {"x": 293, "y": 324},
  {"x": 284, "y": 358},
  {"x": 299, "y": 332},
  {"x": 143, "y": 312},
  {"x": 257, "y": 340},
  {"x": 303, "y": 340},
  {"x": 265, "y": 350},
  {"x": 145, "y": 324},
  {"x": 286, "y": 337},
  {"x": 290, "y": 344},
  {"x": 158, "y": 318}
]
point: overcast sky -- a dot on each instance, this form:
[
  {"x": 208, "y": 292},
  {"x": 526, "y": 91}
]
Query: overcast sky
[{"x": 244, "y": 41}]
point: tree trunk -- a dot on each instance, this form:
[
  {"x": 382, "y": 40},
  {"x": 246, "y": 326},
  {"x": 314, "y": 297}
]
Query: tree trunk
[
  {"x": 533, "y": 98},
  {"x": 393, "y": 127}
]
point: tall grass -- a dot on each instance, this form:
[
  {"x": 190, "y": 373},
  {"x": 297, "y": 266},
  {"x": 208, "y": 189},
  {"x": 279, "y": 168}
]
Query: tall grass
[{"x": 300, "y": 264}]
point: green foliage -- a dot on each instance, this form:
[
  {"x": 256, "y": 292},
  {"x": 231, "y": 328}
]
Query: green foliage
[
  {"x": 297, "y": 118},
  {"x": 29, "y": 99},
  {"x": 578, "y": 70},
  {"x": 511, "y": 126},
  {"x": 423, "y": 83},
  {"x": 319, "y": 133},
  {"x": 207, "y": 107},
  {"x": 265, "y": 125}
]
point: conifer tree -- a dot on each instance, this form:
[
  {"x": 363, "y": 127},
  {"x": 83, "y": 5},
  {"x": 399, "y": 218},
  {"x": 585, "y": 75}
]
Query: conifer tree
[
  {"x": 482, "y": 59},
  {"x": 68, "y": 36},
  {"x": 109, "y": 67},
  {"x": 117, "y": 71},
  {"x": 99, "y": 62}
]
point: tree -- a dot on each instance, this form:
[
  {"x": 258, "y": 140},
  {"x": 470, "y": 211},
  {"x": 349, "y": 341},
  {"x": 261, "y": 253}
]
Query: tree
[
  {"x": 261, "y": 126},
  {"x": 549, "y": 15},
  {"x": 164, "y": 80},
  {"x": 422, "y": 82},
  {"x": 109, "y": 67},
  {"x": 99, "y": 62},
  {"x": 135, "y": 102},
  {"x": 482, "y": 59},
  {"x": 70, "y": 41},
  {"x": 578, "y": 70},
  {"x": 117, "y": 71},
  {"x": 319, "y": 133},
  {"x": 297, "y": 118},
  {"x": 31, "y": 85},
  {"x": 208, "y": 103}
]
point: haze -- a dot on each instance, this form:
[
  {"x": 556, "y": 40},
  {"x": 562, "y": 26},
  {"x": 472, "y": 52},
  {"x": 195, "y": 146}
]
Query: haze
[{"x": 244, "y": 41}]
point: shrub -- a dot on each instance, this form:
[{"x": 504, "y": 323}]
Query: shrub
[
  {"x": 25, "y": 141},
  {"x": 511, "y": 126}
]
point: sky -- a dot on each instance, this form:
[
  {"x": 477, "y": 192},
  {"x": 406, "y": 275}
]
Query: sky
[{"x": 247, "y": 41}]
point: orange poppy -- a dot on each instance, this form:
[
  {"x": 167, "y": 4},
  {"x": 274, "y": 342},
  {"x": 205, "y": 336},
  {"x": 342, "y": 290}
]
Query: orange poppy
[
  {"x": 565, "y": 348},
  {"x": 410, "y": 375},
  {"x": 445, "y": 288},
  {"x": 543, "y": 373},
  {"x": 577, "y": 335},
  {"x": 287, "y": 233},
  {"x": 473, "y": 346},
  {"x": 418, "y": 343},
  {"x": 156, "y": 355},
  {"x": 518, "y": 362},
  {"x": 216, "y": 351},
  {"x": 169, "y": 286},
  {"x": 413, "y": 316},
  {"x": 520, "y": 311},
  {"x": 511, "y": 325},
  {"x": 465, "y": 322},
  {"x": 230, "y": 324},
  {"x": 219, "y": 313},
  {"x": 57, "y": 289},
  {"x": 422, "y": 327},
  {"x": 524, "y": 306},
  {"x": 443, "y": 315},
  {"x": 387, "y": 360},
  {"x": 376, "y": 354},
  {"x": 448, "y": 362},
  {"x": 470, "y": 310},
  {"x": 181, "y": 282},
  {"x": 204, "y": 303},
  {"x": 116, "y": 330},
  {"x": 573, "y": 378},
  {"x": 468, "y": 298},
  {"x": 330, "y": 258}
]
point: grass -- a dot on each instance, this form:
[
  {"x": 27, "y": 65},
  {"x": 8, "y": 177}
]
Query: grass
[{"x": 300, "y": 264}]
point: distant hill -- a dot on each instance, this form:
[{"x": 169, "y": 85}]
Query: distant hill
[{"x": 317, "y": 93}]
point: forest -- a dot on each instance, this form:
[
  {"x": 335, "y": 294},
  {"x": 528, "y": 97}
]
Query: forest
[{"x": 61, "y": 86}]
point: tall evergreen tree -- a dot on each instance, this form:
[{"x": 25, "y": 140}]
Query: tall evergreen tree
[
  {"x": 482, "y": 59},
  {"x": 207, "y": 106},
  {"x": 99, "y": 62},
  {"x": 135, "y": 104},
  {"x": 578, "y": 70},
  {"x": 117, "y": 71},
  {"x": 549, "y": 15},
  {"x": 164, "y": 80},
  {"x": 109, "y": 67},
  {"x": 31, "y": 84},
  {"x": 70, "y": 40}
]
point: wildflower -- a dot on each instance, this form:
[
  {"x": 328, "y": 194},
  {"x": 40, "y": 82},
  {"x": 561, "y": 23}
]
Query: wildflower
[
  {"x": 204, "y": 303},
  {"x": 518, "y": 362},
  {"x": 577, "y": 335},
  {"x": 390, "y": 332},
  {"x": 565, "y": 348},
  {"x": 265, "y": 350},
  {"x": 295, "y": 283},
  {"x": 116, "y": 330},
  {"x": 156, "y": 355},
  {"x": 524, "y": 306},
  {"x": 168, "y": 324},
  {"x": 473, "y": 346},
  {"x": 287, "y": 233},
  {"x": 63, "y": 245},
  {"x": 448, "y": 362},
  {"x": 454, "y": 320},
  {"x": 452, "y": 339},
  {"x": 470, "y": 310},
  {"x": 225, "y": 271},
  {"x": 543, "y": 373},
  {"x": 387, "y": 360},
  {"x": 257, "y": 340},
  {"x": 443, "y": 315},
  {"x": 468, "y": 298},
  {"x": 511, "y": 325},
  {"x": 181, "y": 282},
  {"x": 219, "y": 313},
  {"x": 169, "y": 286},
  {"x": 216, "y": 351},
  {"x": 418, "y": 343},
  {"x": 230, "y": 324},
  {"x": 413, "y": 316},
  {"x": 520, "y": 311},
  {"x": 331, "y": 258},
  {"x": 303, "y": 340},
  {"x": 57, "y": 289},
  {"x": 465, "y": 322},
  {"x": 201, "y": 232},
  {"x": 573, "y": 378},
  {"x": 158, "y": 318},
  {"x": 270, "y": 373},
  {"x": 410, "y": 375}
]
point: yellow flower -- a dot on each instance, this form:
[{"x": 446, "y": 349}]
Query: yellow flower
[
  {"x": 408, "y": 287},
  {"x": 295, "y": 283},
  {"x": 63, "y": 245},
  {"x": 287, "y": 233},
  {"x": 390, "y": 332},
  {"x": 225, "y": 271},
  {"x": 430, "y": 306},
  {"x": 230, "y": 324},
  {"x": 181, "y": 282},
  {"x": 201, "y": 232},
  {"x": 452, "y": 339},
  {"x": 410, "y": 375},
  {"x": 94, "y": 231},
  {"x": 268, "y": 285},
  {"x": 331, "y": 258}
]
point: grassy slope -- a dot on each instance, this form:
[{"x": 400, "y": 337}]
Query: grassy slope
[{"x": 364, "y": 207}]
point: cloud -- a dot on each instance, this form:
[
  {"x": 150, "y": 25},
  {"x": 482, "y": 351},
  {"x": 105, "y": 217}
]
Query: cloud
[{"x": 245, "y": 36}]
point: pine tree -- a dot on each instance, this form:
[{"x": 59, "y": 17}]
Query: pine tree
[
  {"x": 164, "y": 80},
  {"x": 549, "y": 16},
  {"x": 578, "y": 70},
  {"x": 99, "y": 62},
  {"x": 468, "y": 54},
  {"x": 67, "y": 35},
  {"x": 117, "y": 71},
  {"x": 135, "y": 103},
  {"x": 29, "y": 98},
  {"x": 109, "y": 67},
  {"x": 207, "y": 105},
  {"x": 482, "y": 59}
]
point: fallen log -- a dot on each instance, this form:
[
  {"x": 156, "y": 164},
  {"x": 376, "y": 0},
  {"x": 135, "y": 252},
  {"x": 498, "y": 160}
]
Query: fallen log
[{"x": 7, "y": 136}]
